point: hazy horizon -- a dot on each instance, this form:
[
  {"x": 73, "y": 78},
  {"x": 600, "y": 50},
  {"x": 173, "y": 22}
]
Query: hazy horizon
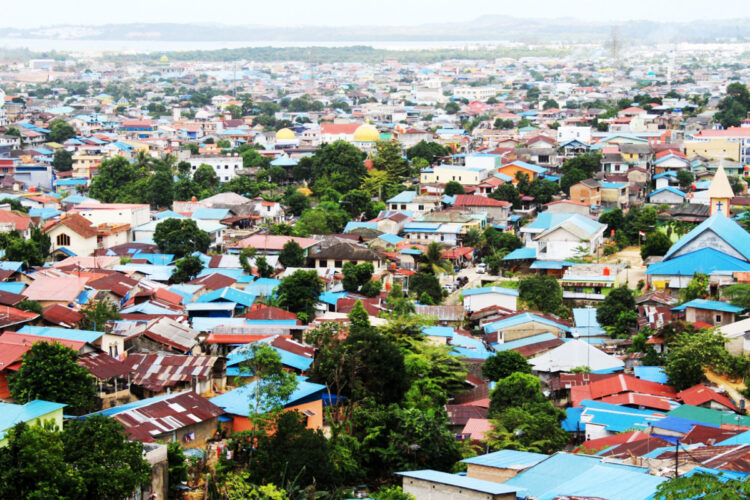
[{"x": 340, "y": 13}]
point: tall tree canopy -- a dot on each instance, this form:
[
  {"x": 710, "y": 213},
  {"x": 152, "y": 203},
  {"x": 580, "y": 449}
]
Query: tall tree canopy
[{"x": 180, "y": 237}]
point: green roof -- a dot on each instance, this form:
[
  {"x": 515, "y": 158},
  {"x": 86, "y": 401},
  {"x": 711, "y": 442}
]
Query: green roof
[{"x": 708, "y": 416}]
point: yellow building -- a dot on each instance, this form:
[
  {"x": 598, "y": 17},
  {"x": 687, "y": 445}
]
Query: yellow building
[
  {"x": 720, "y": 193},
  {"x": 35, "y": 412},
  {"x": 83, "y": 164},
  {"x": 441, "y": 174},
  {"x": 713, "y": 148}
]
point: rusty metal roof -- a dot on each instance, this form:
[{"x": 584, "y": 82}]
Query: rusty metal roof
[
  {"x": 155, "y": 372},
  {"x": 102, "y": 365}
]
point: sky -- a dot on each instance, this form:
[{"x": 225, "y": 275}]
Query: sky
[{"x": 353, "y": 12}]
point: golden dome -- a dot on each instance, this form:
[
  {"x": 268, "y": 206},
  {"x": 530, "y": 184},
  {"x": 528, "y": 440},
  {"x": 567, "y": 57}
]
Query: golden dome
[
  {"x": 284, "y": 134},
  {"x": 366, "y": 133}
]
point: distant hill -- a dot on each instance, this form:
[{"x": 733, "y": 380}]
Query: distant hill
[{"x": 486, "y": 28}]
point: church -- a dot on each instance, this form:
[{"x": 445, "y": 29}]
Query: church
[{"x": 718, "y": 247}]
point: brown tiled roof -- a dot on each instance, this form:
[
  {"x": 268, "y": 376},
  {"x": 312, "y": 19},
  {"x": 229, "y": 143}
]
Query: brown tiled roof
[
  {"x": 76, "y": 223},
  {"x": 213, "y": 281}
]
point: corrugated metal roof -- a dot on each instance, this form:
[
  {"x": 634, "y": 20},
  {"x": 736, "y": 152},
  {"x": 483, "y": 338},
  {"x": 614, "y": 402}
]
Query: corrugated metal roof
[
  {"x": 155, "y": 372},
  {"x": 507, "y": 459},
  {"x": 467, "y": 483}
]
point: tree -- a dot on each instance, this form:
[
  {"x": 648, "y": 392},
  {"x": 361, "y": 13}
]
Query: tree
[
  {"x": 572, "y": 177},
  {"x": 507, "y": 192},
  {"x": 235, "y": 111},
  {"x": 60, "y": 131},
  {"x": 299, "y": 293},
  {"x": 110, "y": 464},
  {"x": 356, "y": 275},
  {"x": 429, "y": 151},
  {"x": 273, "y": 385},
  {"x": 264, "y": 268},
  {"x": 734, "y": 107},
  {"x": 180, "y": 237},
  {"x": 452, "y": 108},
  {"x": 50, "y": 371},
  {"x": 292, "y": 255},
  {"x": 161, "y": 189},
  {"x": 697, "y": 288},
  {"x": 205, "y": 177},
  {"x": 702, "y": 485},
  {"x": 685, "y": 178},
  {"x": 63, "y": 160},
  {"x": 541, "y": 292},
  {"x": 549, "y": 104},
  {"x": 504, "y": 364},
  {"x": 617, "y": 301},
  {"x": 328, "y": 217},
  {"x": 177, "y": 472},
  {"x": 738, "y": 295},
  {"x": 499, "y": 241},
  {"x": 118, "y": 181},
  {"x": 531, "y": 427},
  {"x": 515, "y": 390},
  {"x": 355, "y": 202},
  {"x": 394, "y": 492},
  {"x": 432, "y": 260},
  {"x": 252, "y": 158},
  {"x": 657, "y": 243},
  {"x": 690, "y": 354},
  {"x": 588, "y": 163},
  {"x": 96, "y": 315},
  {"x": 32, "y": 465},
  {"x": 453, "y": 188},
  {"x": 297, "y": 203},
  {"x": 246, "y": 254},
  {"x": 426, "y": 283},
  {"x": 397, "y": 303},
  {"x": 341, "y": 163},
  {"x": 30, "y": 305},
  {"x": 614, "y": 219},
  {"x": 26, "y": 251},
  {"x": 186, "y": 189},
  {"x": 389, "y": 158},
  {"x": 186, "y": 269}
]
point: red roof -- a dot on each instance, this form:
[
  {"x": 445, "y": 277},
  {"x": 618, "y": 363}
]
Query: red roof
[
  {"x": 455, "y": 253},
  {"x": 289, "y": 345},
  {"x": 20, "y": 222},
  {"x": 614, "y": 440},
  {"x": 102, "y": 365},
  {"x": 14, "y": 345},
  {"x": 617, "y": 384},
  {"x": 264, "y": 311},
  {"x": 155, "y": 372},
  {"x": 474, "y": 200},
  {"x": 477, "y": 428},
  {"x": 632, "y": 398},
  {"x": 218, "y": 338},
  {"x": 700, "y": 394},
  {"x": 339, "y": 128},
  {"x": 61, "y": 315},
  {"x": 213, "y": 281}
]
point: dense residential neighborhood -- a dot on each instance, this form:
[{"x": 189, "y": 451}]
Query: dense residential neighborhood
[{"x": 510, "y": 278}]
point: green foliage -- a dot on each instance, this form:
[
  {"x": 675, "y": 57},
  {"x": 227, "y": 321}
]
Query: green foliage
[
  {"x": 238, "y": 485},
  {"x": 704, "y": 486},
  {"x": 50, "y": 371},
  {"x": 452, "y": 108},
  {"x": 63, "y": 160},
  {"x": 355, "y": 202},
  {"x": 14, "y": 205},
  {"x": 685, "y": 178},
  {"x": 504, "y": 364},
  {"x": 205, "y": 177},
  {"x": 453, "y": 188},
  {"x": 697, "y": 288},
  {"x": 432, "y": 260},
  {"x": 738, "y": 295},
  {"x": 588, "y": 163},
  {"x": 292, "y": 255},
  {"x": 515, "y": 390},
  {"x": 32, "y": 466},
  {"x": 340, "y": 164},
  {"x": 372, "y": 288},
  {"x": 541, "y": 292},
  {"x": 389, "y": 158},
  {"x": 356, "y": 275},
  {"x": 328, "y": 217},
  {"x": 186, "y": 269},
  {"x": 392, "y": 493},
  {"x": 426, "y": 283},
  {"x": 397, "y": 303},
  {"x": 734, "y": 107},
  {"x": 97, "y": 314},
  {"x": 614, "y": 219},
  {"x": 533, "y": 427},
  {"x": 639, "y": 220},
  {"x": 299, "y": 292},
  {"x": 571, "y": 177},
  {"x": 30, "y": 305},
  {"x": 297, "y": 203},
  {"x": 429, "y": 151},
  {"x": 273, "y": 384},
  {"x": 617, "y": 301},
  {"x": 689, "y": 354},
  {"x": 180, "y": 237},
  {"x": 657, "y": 243},
  {"x": 246, "y": 254},
  {"x": 498, "y": 241},
  {"x": 119, "y": 181},
  {"x": 264, "y": 268},
  {"x": 31, "y": 252},
  {"x": 160, "y": 189},
  {"x": 110, "y": 464},
  {"x": 60, "y": 131},
  {"x": 177, "y": 469},
  {"x": 507, "y": 192}
]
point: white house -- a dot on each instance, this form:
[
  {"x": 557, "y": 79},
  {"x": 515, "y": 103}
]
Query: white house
[
  {"x": 479, "y": 298},
  {"x": 668, "y": 195},
  {"x": 225, "y": 166}
]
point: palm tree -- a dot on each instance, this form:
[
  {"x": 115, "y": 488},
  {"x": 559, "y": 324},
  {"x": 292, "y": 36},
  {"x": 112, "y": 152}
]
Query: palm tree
[{"x": 433, "y": 261}]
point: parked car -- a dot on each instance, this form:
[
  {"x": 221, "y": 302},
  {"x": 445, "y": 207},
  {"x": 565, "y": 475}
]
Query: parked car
[{"x": 481, "y": 268}]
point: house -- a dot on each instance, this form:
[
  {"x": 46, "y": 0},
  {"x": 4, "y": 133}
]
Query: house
[
  {"x": 413, "y": 203},
  {"x": 516, "y": 167},
  {"x": 162, "y": 334},
  {"x": 108, "y": 342},
  {"x": 434, "y": 485},
  {"x": 479, "y": 298},
  {"x": 48, "y": 290},
  {"x": 215, "y": 230},
  {"x": 34, "y": 412},
  {"x": 12, "y": 221},
  {"x": 568, "y": 206},
  {"x": 575, "y": 354},
  {"x": 132, "y": 214},
  {"x": 155, "y": 374},
  {"x": 521, "y": 326},
  {"x": 499, "y": 466},
  {"x": 112, "y": 378},
  {"x": 497, "y": 211},
  {"x": 185, "y": 417},
  {"x": 306, "y": 399},
  {"x": 272, "y": 244},
  {"x": 75, "y": 234},
  {"x": 707, "y": 311},
  {"x": 561, "y": 236},
  {"x": 442, "y": 174},
  {"x": 614, "y": 194},
  {"x": 338, "y": 254},
  {"x": 738, "y": 336},
  {"x": 587, "y": 192},
  {"x": 668, "y": 195}
]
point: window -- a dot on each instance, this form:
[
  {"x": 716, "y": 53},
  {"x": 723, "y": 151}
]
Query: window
[
  {"x": 421, "y": 207},
  {"x": 403, "y": 207},
  {"x": 718, "y": 318},
  {"x": 322, "y": 263},
  {"x": 226, "y": 167},
  {"x": 338, "y": 263},
  {"x": 63, "y": 240}
]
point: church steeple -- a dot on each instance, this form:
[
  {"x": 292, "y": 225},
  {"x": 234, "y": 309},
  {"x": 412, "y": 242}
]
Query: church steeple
[{"x": 720, "y": 192}]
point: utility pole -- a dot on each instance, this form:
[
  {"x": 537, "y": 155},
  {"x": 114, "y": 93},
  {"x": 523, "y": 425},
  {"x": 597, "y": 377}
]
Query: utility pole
[{"x": 676, "y": 458}]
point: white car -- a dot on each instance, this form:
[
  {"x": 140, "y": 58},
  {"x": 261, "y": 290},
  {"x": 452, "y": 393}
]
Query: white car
[{"x": 481, "y": 268}]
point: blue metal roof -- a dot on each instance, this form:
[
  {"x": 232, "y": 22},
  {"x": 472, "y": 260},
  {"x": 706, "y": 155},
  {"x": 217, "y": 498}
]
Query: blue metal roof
[
  {"x": 550, "y": 264},
  {"x": 705, "y": 260},
  {"x": 727, "y": 229},
  {"x": 352, "y": 225},
  {"x": 490, "y": 289},
  {"x": 612, "y": 185},
  {"x": 711, "y": 305},
  {"x": 651, "y": 373},
  {"x": 678, "y": 424},
  {"x": 168, "y": 214},
  {"x": 615, "y": 418},
  {"x": 585, "y": 317},
  {"x": 514, "y": 344},
  {"x": 439, "y": 331},
  {"x": 507, "y": 459},
  {"x": 11, "y": 414},
  {"x": 467, "y": 483},
  {"x": 62, "y": 333},
  {"x": 210, "y": 213},
  {"x": 572, "y": 421},
  {"x": 403, "y": 197},
  {"x": 521, "y": 253},
  {"x": 520, "y": 319},
  {"x": 391, "y": 238},
  {"x": 263, "y": 287},
  {"x": 228, "y": 294},
  {"x": 239, "y": 401},
  {"x": 12, "y": 287},
  {"x": 671, "y": 189},
  {"x": 723, "y": 475},
  {"x": 528, "y": 166}
]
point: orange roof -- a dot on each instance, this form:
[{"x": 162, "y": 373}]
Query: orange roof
[
  {"x": 339, "y": 128},
  {"x": 645, "y": 400},
  {"x": 729, "y": 132},
  {"x": 477, "y": 428},
  {"x": 21, "y": 223},
  {"x": 700, "y": 394},
  {"x": 618, "y": 384},
  {"x": 76, "y": 223}
]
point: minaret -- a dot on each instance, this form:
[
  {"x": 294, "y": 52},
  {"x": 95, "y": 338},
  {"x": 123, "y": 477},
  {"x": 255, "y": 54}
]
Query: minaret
[{"x": 720, "y": 192}]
